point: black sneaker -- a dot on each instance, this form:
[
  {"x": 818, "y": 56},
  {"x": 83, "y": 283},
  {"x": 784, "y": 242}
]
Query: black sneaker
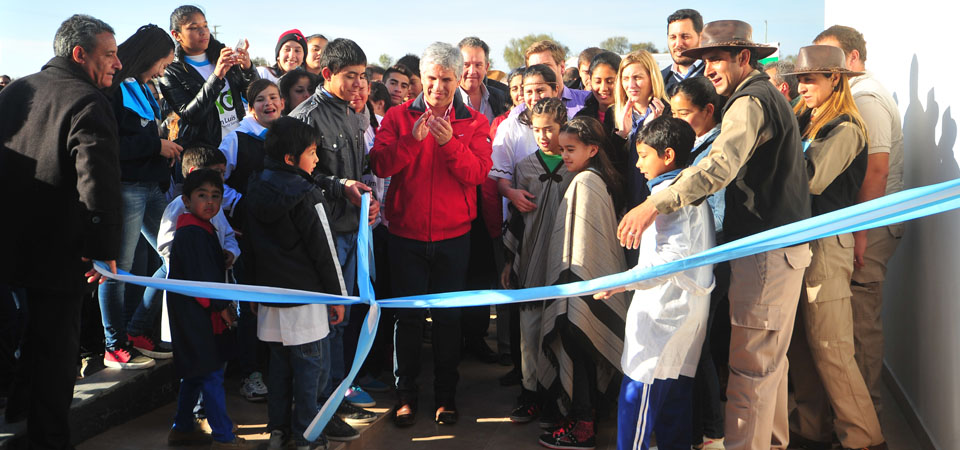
[
  {"x": 578, "y": 435},
  {"x": 338, "y": 430},
  {"x": 526, "y": 411},
  {"x": 354, "y": 415}
]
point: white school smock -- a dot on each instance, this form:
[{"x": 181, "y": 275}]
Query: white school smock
[{"x": 667, "y": 319}]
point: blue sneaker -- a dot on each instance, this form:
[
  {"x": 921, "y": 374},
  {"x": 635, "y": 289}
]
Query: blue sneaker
[
  {"x": 357, "y": 397},
  {"x": 371, "y": 384}
]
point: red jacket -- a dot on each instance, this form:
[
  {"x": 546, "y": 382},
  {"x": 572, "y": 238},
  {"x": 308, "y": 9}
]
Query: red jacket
[{"x": 433, "y": 189}]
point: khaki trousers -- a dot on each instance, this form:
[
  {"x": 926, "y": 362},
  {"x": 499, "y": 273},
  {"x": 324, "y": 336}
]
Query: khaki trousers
[
  {"x": 824, "y": 372},
  {"x": 867, "y": 288},
  {"x": 764, "y": 290}
]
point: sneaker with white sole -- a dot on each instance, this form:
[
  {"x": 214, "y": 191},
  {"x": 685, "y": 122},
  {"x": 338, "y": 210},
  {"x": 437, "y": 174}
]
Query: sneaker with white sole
[
  {"x": 126, "y": 357},
  {"x": 712, "y": 444},
  {"x": 355, "y": 415},
  {"x": 358, "y": 397},
  {"x": 252, "y": 388},
  {"x": 338, "y": 430}
]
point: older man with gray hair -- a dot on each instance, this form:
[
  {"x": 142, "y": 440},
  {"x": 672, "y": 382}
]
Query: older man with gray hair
[
  {"x": 60, "y": 175},
  {"x": 437, "y": 150},
  {"x": 786, "y": 84}
]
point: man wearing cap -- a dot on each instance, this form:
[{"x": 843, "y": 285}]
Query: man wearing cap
[
  {"x": 759, "y": 159},
  {"x": 884, "y": 176}
]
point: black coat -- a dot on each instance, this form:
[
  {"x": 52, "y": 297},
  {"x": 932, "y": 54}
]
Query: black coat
[
  {"x": 195, "y": 255},
  {"x": 195, "y": 99},
  {"x": 291, "y": 245},
  {"x": 140, "y": 158},
  {"x": 500, "y": 101},
  {"x": 60, "y": 178},
  {"x": 341, "y": 151}
]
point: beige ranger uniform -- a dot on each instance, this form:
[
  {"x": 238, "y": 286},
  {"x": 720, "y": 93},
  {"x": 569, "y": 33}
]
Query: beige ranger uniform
[
  {"x": 764, "y": 288},
  {"x": 885, "y": 135}
]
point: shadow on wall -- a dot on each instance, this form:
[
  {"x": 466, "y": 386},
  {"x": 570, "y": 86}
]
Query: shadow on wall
[{"x": 921, "y": 300}]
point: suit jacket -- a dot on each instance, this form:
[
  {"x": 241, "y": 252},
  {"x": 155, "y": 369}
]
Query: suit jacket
[{"x": 60, "y": 176}]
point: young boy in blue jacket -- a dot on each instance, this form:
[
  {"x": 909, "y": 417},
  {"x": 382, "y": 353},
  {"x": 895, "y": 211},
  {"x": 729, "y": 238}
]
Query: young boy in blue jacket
[
  {"x": 291, "y": 246},
  {"x": 200, "y": 326}
]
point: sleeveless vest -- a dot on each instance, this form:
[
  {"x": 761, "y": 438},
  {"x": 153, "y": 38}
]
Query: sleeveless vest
[
  {"x": 842, "y": 191},
  {"x": 772, "y": 188}
]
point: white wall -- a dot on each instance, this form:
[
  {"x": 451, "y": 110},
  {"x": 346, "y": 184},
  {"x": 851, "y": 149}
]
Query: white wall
[{"x": 912, "y": 49}]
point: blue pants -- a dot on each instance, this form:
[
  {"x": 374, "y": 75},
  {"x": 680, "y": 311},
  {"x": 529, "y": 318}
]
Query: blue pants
[
  {"x": 143, "y": 206},
  {"x": 663, "y": 407},
  {"x": 296, "y": 373},
  {"x": 214, "y": 403},
  {"x": 334, "y": 364}
]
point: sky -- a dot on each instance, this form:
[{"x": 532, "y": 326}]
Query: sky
[{"x": 27, "y": 28}]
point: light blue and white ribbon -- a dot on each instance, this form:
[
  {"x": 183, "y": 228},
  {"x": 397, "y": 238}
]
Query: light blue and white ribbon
[{"x": 887, "y": 210}]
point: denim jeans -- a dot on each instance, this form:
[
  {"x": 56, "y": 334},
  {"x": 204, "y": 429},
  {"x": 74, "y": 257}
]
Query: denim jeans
[
  {"x": 143, "y": 206},
  {"x": 335, "y": 364},
  {"x": 214, "y": 405},
  {"x": 296, "y": 373}
]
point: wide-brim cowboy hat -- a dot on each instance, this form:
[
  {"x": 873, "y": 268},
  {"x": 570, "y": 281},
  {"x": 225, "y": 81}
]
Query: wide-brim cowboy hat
[
  {"x": 728, "y": 34},
  {"x": 822, "y": 59}
]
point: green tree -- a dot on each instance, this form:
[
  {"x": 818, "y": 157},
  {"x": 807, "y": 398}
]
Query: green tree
[
  {"x": 516, "y": 47},
  {"x": 258, "y": 61},
  {"x": 616, "y": 44},
  {"x": 648, "y": 46},
  {"x": 385, "y": 60}
]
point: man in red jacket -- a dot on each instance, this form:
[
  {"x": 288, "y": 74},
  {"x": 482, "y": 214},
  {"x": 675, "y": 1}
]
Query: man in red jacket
[{"x": 437, "y": 150}]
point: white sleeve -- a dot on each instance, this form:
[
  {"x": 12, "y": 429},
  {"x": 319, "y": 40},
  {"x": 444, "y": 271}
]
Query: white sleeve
[
  {"x": 228, "y": 239},
  {"x": 503, "y": 149},
  {"x": 228, "y": 146},
  {"x": 168, "y": 224},
  {"x": 673, "y": 233}
]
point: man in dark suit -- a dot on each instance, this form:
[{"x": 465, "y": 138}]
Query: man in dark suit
[
  {"x": 479, "y": 92},
  {"x": 60, "y": 176}
]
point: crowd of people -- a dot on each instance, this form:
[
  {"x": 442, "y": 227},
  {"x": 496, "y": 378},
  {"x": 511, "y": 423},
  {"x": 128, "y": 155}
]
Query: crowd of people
[{"x": 255, "y": 175}]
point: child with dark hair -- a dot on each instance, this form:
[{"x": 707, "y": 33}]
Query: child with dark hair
[
  {"x": 666, "y": 320},
  {"x": 290, "y": 52},
  {"x": 582, "y": 338},
  {"x": 295, "y": 87},
  {"x": 696, "y": 102},
  {"x": 291, "y": 246},
  {"x": 412, "y": 62},
  {"x": 527, "y": 240},
  {"x": 193, "y": 159},
  {"x": 243, "y": 147},
  {"x": 200, "y": 326},
  {"x": 342, "y": 153}
]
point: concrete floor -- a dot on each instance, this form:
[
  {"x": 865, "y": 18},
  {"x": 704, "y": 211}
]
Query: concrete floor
[{"x": 484, "y": 406}]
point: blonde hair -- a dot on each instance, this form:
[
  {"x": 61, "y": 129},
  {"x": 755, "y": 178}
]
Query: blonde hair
[
  {"x": 645, "y": 59},
  {"x": 559, "y": 55},
  {"x": 839, "y": 103}
]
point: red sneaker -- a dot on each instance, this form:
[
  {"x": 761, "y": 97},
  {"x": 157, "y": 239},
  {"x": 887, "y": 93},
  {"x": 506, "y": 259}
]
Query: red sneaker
[
  {"x": 148, "y": 348},
  {"x": 126, "y": 357}
]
